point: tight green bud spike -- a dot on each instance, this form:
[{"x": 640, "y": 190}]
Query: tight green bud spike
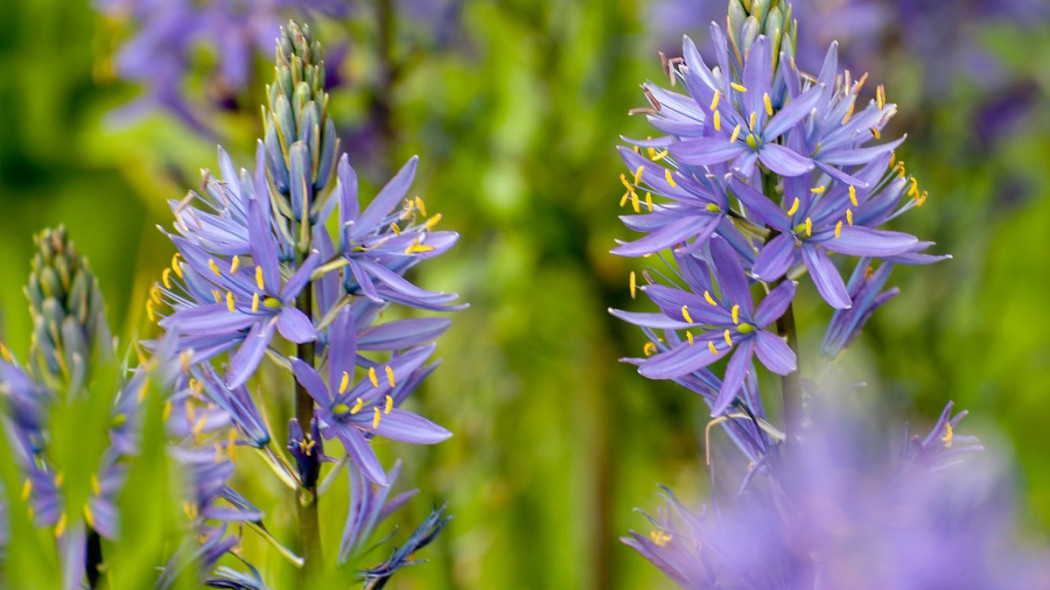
[
  {"x": 773, "y": 18},
  {"x": 300, "y": 138},
  {"x": 69, "y": 321}
]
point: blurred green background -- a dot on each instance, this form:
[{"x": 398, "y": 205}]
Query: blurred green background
[{"x": 516, "y": 121}]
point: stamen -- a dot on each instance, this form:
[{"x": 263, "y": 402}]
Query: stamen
[
  {"x": 849, "y": 113},
  {"x": 661, "y": 538},
  {"x": 736, "y": 134},
  {"x": 432, "y": 221},
  {"x": 729, "y": 340},
  {"x": 357, "y": 406},
  {"x": 649, "y": 349},
  {"x": 235, "y": 264},
  {"x": 689, "y": 337},
  {"x": 709, "y": 299},
  {"x": 60, "y": 527},
  {"x": 175, "y": 266},
  {"x": 769, "y": 105},
  {"x": 165, "y": 277},
  {"x": 838, "y": 229},
  {"x": 752, "y": 120},
  {"x": 880, "y": 96},
  {"x": 818, "y": 189},
  {"x": 344, "y": 382},
  {"x": 255, "y": 302},
  {"x": 685, "y": 314},
  {"x": 372, "y": 377},
  {"x": 634, "y": 202},
  {"x": 375, "y": 418},
  {"x": 738, "y": 87},
  {"x": 853, "y": 195},
  {"x": 632, "y": 283},
  {"x": 214, "y": 267},
  {"x": 875, "y": 132},
  {"x": 670, "y": 179},
  {"x": 711, "y": 347},
  {"x": 149, "y": 313},
  {"x": 794, "y": 207},
  {"x": 638, "y": 174},
  {"x": 809, "y": 227},
  {"x": 422, "y": 208},
  {"x": 849, "y": 216},
  {"x": 394, "y": 228},
  {"x": 259, "y": 278},
  {"x": 736, "y": 314},
  {"x": 717, "y": 120},
  {"x": 660, "y": 156},
  {"x": 390, "y": 376},
  {"x": 948, "y": 434},
  {"x": 714, "y": 101},
  {"x": 649, "y": 201},
  {"x": 389, "y": 404},
  {"x": 229, "y": 301}
]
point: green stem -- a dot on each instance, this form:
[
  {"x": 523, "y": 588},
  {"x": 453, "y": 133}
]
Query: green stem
[
  {"x": 309, "y": 530},
  {"x": 791, "y": 384},
  {"x": 93, "y": 559}
]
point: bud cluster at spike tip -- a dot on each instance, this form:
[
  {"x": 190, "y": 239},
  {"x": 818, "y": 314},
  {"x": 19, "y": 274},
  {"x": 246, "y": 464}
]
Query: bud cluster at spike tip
[
  {"x": 257, "y": 270},
  {"x": 71, "y": 341},
  {"x": 762, "y": 175}
]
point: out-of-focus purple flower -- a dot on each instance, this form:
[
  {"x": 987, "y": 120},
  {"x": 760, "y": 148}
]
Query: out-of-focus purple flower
[
  {"x": 161, "y": 53},
  {"x": 865, "y": 290},
  {"x": 841, "y": 510}
]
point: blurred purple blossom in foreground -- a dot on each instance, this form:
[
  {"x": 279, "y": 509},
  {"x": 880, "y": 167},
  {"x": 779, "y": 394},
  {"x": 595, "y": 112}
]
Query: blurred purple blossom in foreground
[{"x": 849, "y": 508}]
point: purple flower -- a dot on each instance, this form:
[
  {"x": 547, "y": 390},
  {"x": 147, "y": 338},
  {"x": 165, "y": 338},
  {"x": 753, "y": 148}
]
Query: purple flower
[
  {"x": 730, "y": 323},
  {"x": 865, "y": 290},
  {"x": 839, "y": 511},
  {"x": 355, "y": 410}
]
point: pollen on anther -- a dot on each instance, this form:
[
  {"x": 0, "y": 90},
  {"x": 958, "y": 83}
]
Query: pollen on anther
[
  {"x": 727, "y": 337},
  {"x": 229, "y": 301},
  {"x": 375, "y": 418},
  {"x": 769, "y": 105},
  {"x": 372, "y": 377},
  {"x": 685, "y": 314},
  {"x": 259, "y": 278},
  {"x": 235, "y": 264},
  {"x": 390, "y": 376},
  {"x": 736, "y": 313},
  {"x": 670, "y": 179},
  {"x": 711, "y": 347},
  {"x": 714, "y": 101},
  {"x": 214, "y": 267},
  {"x": 738, "y": 87},
  {"x": 649, "y": 349},
  {"x": 717, "y": 120},
  {"x": 853, "y": 195},
  {"x": 344, "y": 382},
  {"x": 794, "y": 207},
  {"x": 389, "y": 404},
  {"x": 633, "y": 284},
  {"x": 709, "y": 299}
]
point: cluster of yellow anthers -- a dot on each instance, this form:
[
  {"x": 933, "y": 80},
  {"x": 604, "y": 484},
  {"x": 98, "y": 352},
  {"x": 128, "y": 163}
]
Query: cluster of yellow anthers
[
  {"x": 631, "y": 193},
  {"x": 63, "y": 519},
  {"x": 377, "y": 414},
  {"x": 660, "y": 537},
  {"x": 411, "y": 206},
  {"x": 948, "y": 434}
]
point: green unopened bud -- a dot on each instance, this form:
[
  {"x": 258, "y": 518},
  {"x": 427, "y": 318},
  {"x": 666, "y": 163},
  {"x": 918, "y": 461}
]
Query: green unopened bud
[
  {"x": 69, "y": 322},
  {"x": 297, "y": 116},
  {"x": 750, "y": 18}
]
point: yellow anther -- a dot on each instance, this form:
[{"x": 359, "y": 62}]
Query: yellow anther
[
  {"x": 198, "y": 427},
  {"x": 729, "y": 341},
  {"x": 372, "y": 377},
  {"x": 394, "y": 228},
  {"x": 165, "y": 277},
  {"x": 632, "y": 282},
  {"x": 638, "y": 174},
  {"x": 818, "y": 189},
  {"x": 880, "y": 96},
  {"x": 344, "y": 383},
  {"x": 736, "y": 134},
  {"x": 176, "y": 265},
  {"x": 838, "y": 230},
  {"x": 738, "y": 87},
  {"x": 625, "y": 182},
  {"x": 809, "y": 227},
  {"x": 389, "y": 404},
  {"x": 794, "y": 207},
  {"x": 914, "y": 190},
  {"x": 736, "y": 314},
  {"x": 357, "y": 406},
  {"x": 717, "y": 120},
  {"x": 853, "y": 195},
  {"x": 875, "y": 132},
  {"x": 229, "y": 301},
  {"x": 390, "y": 376},
  {"x": 711, "y": 347},
  {"x": 849, "y": 216},
  {"x": 60, "y": 527},
  {"x": 416, "y": 247},
  {"x": 769, "y": 104},
  {"x": 685, "y": 314},
  {"x": 255, "y": 302},
  {"x": 947, "y": 438},
  {"x": 714, "y": 101},
  {"x": 95, "y": 486},
  {"x": 421, "y": 207},
  {"x": 167, "y": 411},
  {"x": 376, "y": 416},
  {"x": 217, "y": 294},
  {"x": 214, "y": 267},
  {"x": 154, "y": 293},
  {"x": 27, "y": 489},
  {"x": 623, "y": 199},
  {"x": 638, "y": 151},
  {"x": 649, "y": 201},
  {"x": 88, "y": 516},
  {"x": 60, "y": 478},
  {"x": 752, "y": 120},
  {"x": 649, "y": 349},
  {"x": 149, "y": 313},
  {"x": 849, "y": 113},
  {"x": 634, "y": 202},
  {"x": 235, "y": 264},
  {"x": 670, "y": 179},
  {"x": 709, "y": 299},
  {"x": 6, "y": 354},
  {"x": 259, "y": 278},
  {"x": 432, "y": 221},
  {"x": 689, "y": 337},
  {"x": 231, "y": 444},
  {"x": 661, "y": 538},
  {"x": 660, "y": 156}
]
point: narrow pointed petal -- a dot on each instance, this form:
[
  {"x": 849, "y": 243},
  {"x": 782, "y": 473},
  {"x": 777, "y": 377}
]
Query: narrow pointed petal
[
  {"x": 248, "y": 356},
  {"x": 775, "y": 259},
  {"x": 295, "y": 326},
  {"x": 826, "y": 277},
  {"x": 736, "y": 370},
  {"x": 699, "y": 227},
  {"x": 410, "y": 428},
  {"x": 774, "y": 353},
  {"x": 386, "y": 200},
  {"x": 681, "y": 360},
  {"x": 730, "y": 272},
  {"x": 784, "y": 161},
  {"x": 857, "y": 240},
  {"x": 775, "y": 303},
  {"x": 307, "y": 377},
  {"x": 360, "y": 452},
  {"x": 706, "y": 151}
]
